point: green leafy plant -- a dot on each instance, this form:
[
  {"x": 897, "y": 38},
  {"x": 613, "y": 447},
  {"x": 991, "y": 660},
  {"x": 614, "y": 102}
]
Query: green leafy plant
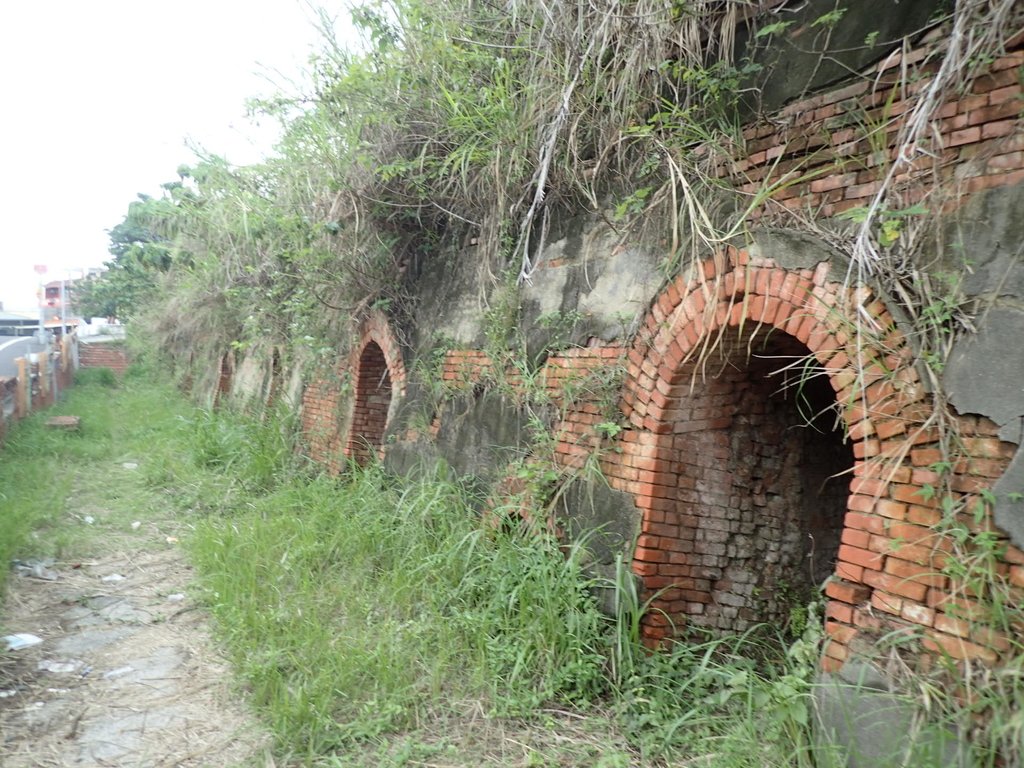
[{"x": 890, "y": 223}]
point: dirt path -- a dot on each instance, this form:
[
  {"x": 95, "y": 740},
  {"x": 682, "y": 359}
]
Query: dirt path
[{"x": 126, "y": 674}]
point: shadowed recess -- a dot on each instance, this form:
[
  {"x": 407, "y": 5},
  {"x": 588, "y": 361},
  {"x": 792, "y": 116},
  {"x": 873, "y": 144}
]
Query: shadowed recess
[
  {"x": 762, "y": 463},
  {"x": 372, "y": 400}
]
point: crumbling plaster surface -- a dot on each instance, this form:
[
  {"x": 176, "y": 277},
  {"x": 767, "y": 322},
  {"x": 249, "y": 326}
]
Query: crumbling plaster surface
[
  {"x": 861, "y": 709},
  {"x": 292, "y": 391},
  {"x": 985, "y": 375},
  {"x": 791, "y": 63},
  {"x": 608, "y": 517},
  {"x": 985, "y": 372},
  {"x": 984, "y": 241},
  {"x": 251, "y": 379},
  {"x": 450, "y": 301},
  {"x": 481, "y": 433},
  {"x": 206, "y": 383},
  {"x": 597, "y": 286},
  {"x": 795, "y": 250},
  {"x": 609, "y": 286},
  {"x": 411, "y": 459}
]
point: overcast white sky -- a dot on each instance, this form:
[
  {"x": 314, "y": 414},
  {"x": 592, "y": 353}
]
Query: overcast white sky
[{"x": 99, "y": 98}]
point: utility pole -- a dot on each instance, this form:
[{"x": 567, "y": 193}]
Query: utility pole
[
  {"x": 41, "y": 302},
  {"x": 63, "y": 304}
]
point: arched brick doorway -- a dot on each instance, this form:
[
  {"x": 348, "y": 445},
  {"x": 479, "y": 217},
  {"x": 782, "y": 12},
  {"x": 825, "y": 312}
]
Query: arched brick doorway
[
  {"x": 275, "y": 384},
  {"x": 753, "y": 523},
  {"x": 688, "y": 454},
  {"x": 371, "y": 403},
  {"x": 349, "y": 423},
  {"x": 225, "y": 376}
]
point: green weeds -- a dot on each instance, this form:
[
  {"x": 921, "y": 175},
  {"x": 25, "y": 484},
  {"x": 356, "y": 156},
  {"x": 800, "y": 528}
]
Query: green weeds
[
  {"x": 102, "y": 377},
  {"x": 257, "y": 454},
  {"x": 363, "y": 613},
  {"x": 352, "y": 609},
  {"x": 45, "y": 473}
]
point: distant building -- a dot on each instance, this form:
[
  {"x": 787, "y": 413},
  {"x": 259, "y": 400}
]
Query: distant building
[
  {"x": 50, "y": 303},
  {"x": 51, "y": 298},
  {"x": 17, "y": 325}
]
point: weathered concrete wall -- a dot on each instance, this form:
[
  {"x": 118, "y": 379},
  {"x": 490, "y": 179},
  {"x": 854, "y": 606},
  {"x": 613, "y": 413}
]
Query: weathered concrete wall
[
  {"x": 792, "y": 67},
  {"x": 985, "y": 373}
]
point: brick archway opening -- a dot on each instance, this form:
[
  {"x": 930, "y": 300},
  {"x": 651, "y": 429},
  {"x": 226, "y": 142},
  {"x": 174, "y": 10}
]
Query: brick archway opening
[
  {"x": 754, "y": 436},
  {"x": 225, "y": 375},
  {"x": 274, "y": 389},
  {"x": 371, "y": 404}
]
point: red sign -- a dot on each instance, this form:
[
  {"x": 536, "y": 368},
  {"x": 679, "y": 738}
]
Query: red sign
[{"x": 40, "y": 269}]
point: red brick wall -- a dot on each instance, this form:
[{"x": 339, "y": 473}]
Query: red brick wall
[
  {"x": 751, "y": 523},
  {"x": 321, "y": 401},
  {"x": 103, "y": 355},
  {"x": 722, "y": 473},
  {"x": 225, "y": 375},
  {"x": 344, "y": 412},
  {"x": 728, "y": 479},
  {"x": 372, "y": 400},
  {"x": 681, "y": 458},
  {"x": 820, "y": 147}
]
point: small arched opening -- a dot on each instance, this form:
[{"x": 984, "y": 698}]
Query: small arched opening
[
  {"x": 224, "y": 378},
  {"x": 371, "y": 404},
  {"x": 274, "y": 387}
]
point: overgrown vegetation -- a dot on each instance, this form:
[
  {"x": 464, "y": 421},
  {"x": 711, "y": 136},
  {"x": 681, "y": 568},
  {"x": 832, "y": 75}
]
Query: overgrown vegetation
[
  {"x": 379, "y": 622},
  {"x": 472, "y": 120},
  {"x": 457, "y": 120},
  {"x": 373, "y": 622},
  {"x": 464, "y": 121}
]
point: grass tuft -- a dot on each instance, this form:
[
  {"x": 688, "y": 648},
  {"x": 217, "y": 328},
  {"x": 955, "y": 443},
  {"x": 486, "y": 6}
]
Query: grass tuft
[{"x": 100, "y": 377}]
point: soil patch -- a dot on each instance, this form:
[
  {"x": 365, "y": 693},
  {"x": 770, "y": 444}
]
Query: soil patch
[{"x": 126, "y": 674}]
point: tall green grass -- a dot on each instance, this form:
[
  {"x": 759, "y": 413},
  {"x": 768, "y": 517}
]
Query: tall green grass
[
  {"x": 353, "y": 608},
  {"x": 41, "y": 468},
  {"x": 356, "y": 609}
]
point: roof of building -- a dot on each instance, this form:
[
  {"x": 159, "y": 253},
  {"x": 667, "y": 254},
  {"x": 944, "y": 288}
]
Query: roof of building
[{"x": 12, "y": 317}]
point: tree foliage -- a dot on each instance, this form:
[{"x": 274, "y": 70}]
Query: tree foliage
[{"x": 141, "y": 252}]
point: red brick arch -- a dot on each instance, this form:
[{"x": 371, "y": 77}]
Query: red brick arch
[
  {"x": 735, "y": 300},
  {"x": 225, "y": 378},
  {"x": 378, "y": 377}
]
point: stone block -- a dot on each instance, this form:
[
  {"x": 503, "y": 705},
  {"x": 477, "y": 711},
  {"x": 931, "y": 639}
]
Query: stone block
[
  {"x": 862, "y": 721},
  {"x": 64, "y": 423}
]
